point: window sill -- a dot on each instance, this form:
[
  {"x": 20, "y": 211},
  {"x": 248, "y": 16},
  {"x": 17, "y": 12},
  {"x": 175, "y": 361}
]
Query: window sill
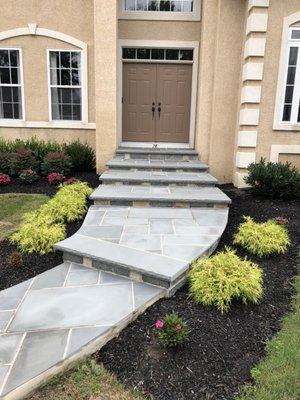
[
  {"x": 46, "y": 124},
  {"x": 286, "y": 127},
  {"x": 160, "y": 16}
]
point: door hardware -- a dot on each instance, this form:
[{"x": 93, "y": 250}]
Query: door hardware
[
  {"x": 153, "y": 110},
  {"x": 159, "y": 110}
]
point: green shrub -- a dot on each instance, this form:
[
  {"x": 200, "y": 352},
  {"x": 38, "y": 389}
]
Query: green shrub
[
  {"x": 82, "y": 156},
  {"x": 262, "y": 239},
  {"x": 21, "y": 160},
  {"x": 275, "y": 180},
  {"x": 57, "y": 162},
  {"x": 28, "y": 176},
  {"x": 171, "y": 330},
  {"x": 217, "y": 280},
  {"x": 5, "y": 160}
]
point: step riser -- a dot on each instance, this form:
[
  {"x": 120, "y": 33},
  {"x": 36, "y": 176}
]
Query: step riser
[
  {"x": 153, "y": 169},
  {"x": 110, "y": 181},
  {"x": 170, "y": 204},
  {"x": 166, "y": 157}
]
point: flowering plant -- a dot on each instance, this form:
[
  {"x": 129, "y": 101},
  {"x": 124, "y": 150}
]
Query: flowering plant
[
  {"x": 4, "y": 179},
  {"x": 28, "y": 176},
  {"x": 281, "y": 220},
  {"x": 54, "y": 178},
  {"x": 171, "y": 330},
  {"x": 70, "y": 181}
]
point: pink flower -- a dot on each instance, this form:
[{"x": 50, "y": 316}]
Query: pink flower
[
  {"x": 55, "y": 178},
  {"x": 281, "y": 220},
  {"x": 178, "y": 328},
  {"x": 4, "y": 179},
  {"x": 159, "y": 324}
]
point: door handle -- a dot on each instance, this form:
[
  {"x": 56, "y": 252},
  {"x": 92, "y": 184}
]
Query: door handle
[
  {"x": 159, "y": 110},
  {"x": 153, "y": 110}
]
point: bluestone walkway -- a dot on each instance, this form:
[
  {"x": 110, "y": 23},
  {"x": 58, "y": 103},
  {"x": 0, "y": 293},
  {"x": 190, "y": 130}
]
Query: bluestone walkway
[{"x": 155, "y": 213}]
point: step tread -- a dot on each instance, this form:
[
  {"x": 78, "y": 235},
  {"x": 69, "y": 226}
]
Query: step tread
[
  {"x": 148, "y": 164},
  {"x": 160, "y": 193},
  {"x": 155, "y": 176},
  {"x": 141, "y": 150}
]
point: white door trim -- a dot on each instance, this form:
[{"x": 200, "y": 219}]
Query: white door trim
[{"x": 170, "y": 44}]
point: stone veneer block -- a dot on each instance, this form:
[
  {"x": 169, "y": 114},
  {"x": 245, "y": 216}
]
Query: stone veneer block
[
  {"x": 249, "y": 116},
  {"x": 247, "y": 138},
  {"x": 258, "y": 3},
  {"x": 253, "y": 71},
  {"x": 257, "y": 22},
  {"x": 250, "y": 94},
  {"x": 255, "y": 47},
  {"x": 243, "y": 160},
  {"x": 239, "y": 180}
]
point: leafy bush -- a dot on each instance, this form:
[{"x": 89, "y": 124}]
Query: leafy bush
[
  {"x": 81, "y": 155},
  {"x": 262, "y": 239},
  {"x": 15, "y": 259},
  {"x": 275, "y": 180},
  {"x": 5, "y": 160},
  {"x": 21, "y": 160},
  {"x": 56, "y": 162},
  {"x": 55, "y": 178},
  {"x": 70, "y": 181},
  {"x": 4, "y": 180},
  {"x": 217, "y": 280},
  {"x": 28, "y": 176},
  {"x": 171, "y": 331}
]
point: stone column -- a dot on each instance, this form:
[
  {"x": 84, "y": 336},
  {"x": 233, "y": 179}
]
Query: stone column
[{"x": 105, "y": 38}]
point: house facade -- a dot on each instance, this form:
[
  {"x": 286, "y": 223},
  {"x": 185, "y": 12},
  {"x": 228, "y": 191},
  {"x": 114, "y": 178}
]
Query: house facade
[{"x": 220, "y": 76}]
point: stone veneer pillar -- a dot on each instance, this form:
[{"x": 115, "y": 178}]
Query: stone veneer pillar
[
  {"x": 105, "y": 38},
  {"x": 252, "y": 75}
]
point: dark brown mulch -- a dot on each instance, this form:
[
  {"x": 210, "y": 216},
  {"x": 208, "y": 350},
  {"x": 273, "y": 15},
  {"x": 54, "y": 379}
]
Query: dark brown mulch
[
  {"x": 34, "y": 264},
  {"x": 216, "y": 361}
]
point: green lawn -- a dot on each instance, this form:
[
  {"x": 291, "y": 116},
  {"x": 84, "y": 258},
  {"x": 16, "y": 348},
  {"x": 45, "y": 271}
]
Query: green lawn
[
  {"x": 13, "y": 206},
  {"x": 277, "y": 377}
]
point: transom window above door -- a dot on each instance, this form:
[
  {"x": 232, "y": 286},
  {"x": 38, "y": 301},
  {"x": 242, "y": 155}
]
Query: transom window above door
[
  {"x": 11, "y": 90},
  {"x": 65, "y": 85},
  {"x": 160, "y": 9},
  {"x": 156, "y": 54}
]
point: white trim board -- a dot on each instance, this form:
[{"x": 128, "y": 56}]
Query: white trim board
[
  {"x": 158, "y": 44},
  {"x": 17, "y": 123},
  {"x": 283, "y": 149}
]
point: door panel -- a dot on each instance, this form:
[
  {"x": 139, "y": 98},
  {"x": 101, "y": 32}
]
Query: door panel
[
  {"x": 139, "y": 91},
  {"x": 174, "y": 84}
]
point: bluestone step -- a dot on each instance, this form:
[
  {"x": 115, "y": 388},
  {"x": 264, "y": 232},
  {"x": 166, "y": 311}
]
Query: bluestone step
[
  {"x": 157, "y": 153},
  {"x": 153, "y": 165}
]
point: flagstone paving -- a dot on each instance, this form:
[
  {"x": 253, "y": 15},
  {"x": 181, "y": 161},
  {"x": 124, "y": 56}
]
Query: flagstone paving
[{"x": 135, "y": 246}]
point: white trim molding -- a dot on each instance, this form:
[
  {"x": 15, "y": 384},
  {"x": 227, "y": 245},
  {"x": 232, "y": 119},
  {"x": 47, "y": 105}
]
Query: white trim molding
[
  {"x": 243, "y": 159},
  {"x": 280, "y": 93},
  {"x": 247, "y": 139},
  {"x": 249, "y": 116},
  {"x": 255, "y": 47},
  {"x": 257, "y": 22},
  {"x": 194, "y": 15},
  {"x": 250, "y": 94},
  {"x": 258, "y": 3},
  {"x": 15, "y": 123},
  {"x": 168, "y": 44},
  {"x": 253, "y": 71},
  {"x": 239, "y": 180},
  {"x": 283, "y": 149}
]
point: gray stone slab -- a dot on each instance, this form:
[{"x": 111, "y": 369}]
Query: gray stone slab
[
  {"x": 79, "y": 267},
  {"x": 73, "y": 307},
  {"x": 39, "y": 352},
  {"x": 142, "y": 242},
  {"x": 3, "y": 371},
  {"x": 101, "y": 232},
  {"x": 117, "y": 213},
  {"x": 187, "y": 253},
  {"x": 8, "y": 347},
  {"x": 5, "y": 317},
  {"x": 55, "y": 277},
  {"x": 108, "y": 278},
  {"x": 93, "y": 217},
  {"x": 212, "y": 220},
  {"x": 11, "y": 297},
  {"x": 79, "y": 278},
  {"x": 124, "y": 221},
  {"x": 80, "y": 337},
  {"x": 199, "y": 240},
  {"x": 200, "y": 230},
  {"x": 144, "y": 293},
  {"x": 138, "y": 230},
  {"x": 160, "y": 212},
  {"x": 160, "y": 226}
]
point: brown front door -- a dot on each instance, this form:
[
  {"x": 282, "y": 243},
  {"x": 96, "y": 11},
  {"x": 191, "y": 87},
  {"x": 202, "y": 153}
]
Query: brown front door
[{"x": 156, "y": 102}]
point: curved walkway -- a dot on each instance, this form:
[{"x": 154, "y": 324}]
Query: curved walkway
[{"x": 134, "y": 247}]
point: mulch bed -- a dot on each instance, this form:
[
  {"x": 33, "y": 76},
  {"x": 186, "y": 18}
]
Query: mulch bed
[
  {"x": 34, "y": 264},
  {"x": 216, "y": 361}
]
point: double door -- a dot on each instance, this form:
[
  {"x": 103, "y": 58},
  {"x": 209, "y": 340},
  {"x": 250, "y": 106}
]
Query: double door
[{"x": 156, "y": 102}]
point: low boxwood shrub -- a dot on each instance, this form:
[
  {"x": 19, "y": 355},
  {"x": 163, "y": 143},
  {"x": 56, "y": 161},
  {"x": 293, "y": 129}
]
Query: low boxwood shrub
[
  {"x": 171, "y": 330},
  {"x": 28, "y": 176},
  {"x": 56, "y": 162},
  {"x": 21, "y": 160},
  {"x": 262, "y": 239},
  {"x": 275, "y": 180},
  {"x": 5, "y": 161},
  {"x": 82, "y": 156},
  {"x": 4, "y": 179},
  {"x": 218, "y": 280}
]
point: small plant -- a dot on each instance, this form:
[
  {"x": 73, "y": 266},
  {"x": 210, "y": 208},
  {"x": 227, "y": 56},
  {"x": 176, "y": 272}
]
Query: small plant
[
  {"x": 28, "y": 176},
  {"x": 217, "y": 280},
  {"x": 70, "y": 181},
  {"x": 15, "y": 259},
  {"x": 281, "y": 220},
  {"x": 262, "y": 239},
  {"x": 4, "y": 180},
  {"x": 171, "y": 330},
  {"x": 56, "y": 162},
  {"x": 275, "y": 180},
  {"x": 82, "y": 156},
  {"x": 5, "y": 161},
  {"x": 22, "y": 160},
  {"x": 55, "y": 178}
]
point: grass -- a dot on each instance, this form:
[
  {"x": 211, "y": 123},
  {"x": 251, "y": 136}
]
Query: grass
[
  {"x": 277, "y": 376},
  {"x": 88, "y": 381},
  {"x": 13, "y": 206}
]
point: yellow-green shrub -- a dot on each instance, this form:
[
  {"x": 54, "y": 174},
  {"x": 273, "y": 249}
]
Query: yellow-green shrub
[
  {"x": 37, "y": 234},
  {"x": 262, "y": 239},
  {"x": 41, "y": 229},
  {"x": 217, "y": 280}
]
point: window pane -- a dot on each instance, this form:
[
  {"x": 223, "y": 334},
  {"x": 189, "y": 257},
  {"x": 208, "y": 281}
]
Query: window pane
[
  {"x": 289, "y": 94},
  {"x": 17, "y": 110},
  {"x": 143, "y": 54},
  {"x": 75, "y": 59},
  {"x": 287, "y": 113},
  {"x": 65, "y": 59},
  {"x": 16, "y": 94},
  {"x": 66, "y": 96},
  {"x": 56, "y": 111},
  {"x": 65, "y": 76},
  {"x": 77, "y": 112},
  {"x": 76, "y": 96},
  {"x": 129, "y": 53},
  {"x": 153, "y": 5},
  {"x": 4, "y": 75},
  {"x": 4, "y": 58},
  {"x": 176, "y": 6},
  {"x": 55, "y": 76},
  {"x": 296, "y": 34},
  {"x": 157, "y": 54},
  {"x": 130, "y": 5},
  {"x": 187, "y": 6},
  {"x": 14, "y": 58},
  {"x": 141, "y": 5},
  {"x": 6, "y": 94},
  {"x": 165, "y": 5},
  {"x": 293, "y": 55},
  {"x": 6, "y": 111},
  {"x": 291, "y": 75},
  {"x": 75, "y": 77},
  {"x": 54, "y": 59},
  {"x": 15, "y": 78},
  {"x": 186, "y": 55},
  {"x": 67, "y": 112},
  {"x": 172, "y": 54},
  {"x": 56, "y": 95}
]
